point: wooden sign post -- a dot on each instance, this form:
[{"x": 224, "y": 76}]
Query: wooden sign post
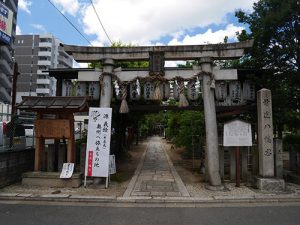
[{"x": 237, "y": 133}]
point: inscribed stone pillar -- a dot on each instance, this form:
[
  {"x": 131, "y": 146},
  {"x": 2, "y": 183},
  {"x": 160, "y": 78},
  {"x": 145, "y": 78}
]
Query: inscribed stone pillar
[
  {"x": 278, "y": 158},
  {"x": 212, "y": 154},
  {"x": 265, "y": 133},
  {"x": 106, "y": 87}
]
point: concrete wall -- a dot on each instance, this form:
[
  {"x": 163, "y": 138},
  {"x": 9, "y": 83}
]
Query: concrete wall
[{"x": 13, "y": 164}]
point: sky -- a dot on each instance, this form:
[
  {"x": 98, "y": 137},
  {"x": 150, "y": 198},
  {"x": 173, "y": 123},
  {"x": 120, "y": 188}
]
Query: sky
[{"x": 138, "y": 22}]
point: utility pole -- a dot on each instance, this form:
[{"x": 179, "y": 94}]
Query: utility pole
[
  {"x": 13, "y": 102},
  {"x": 14, "y": 88}
]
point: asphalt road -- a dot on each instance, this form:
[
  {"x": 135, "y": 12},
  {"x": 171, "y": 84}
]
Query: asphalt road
[{"x": 17, "y": 214}]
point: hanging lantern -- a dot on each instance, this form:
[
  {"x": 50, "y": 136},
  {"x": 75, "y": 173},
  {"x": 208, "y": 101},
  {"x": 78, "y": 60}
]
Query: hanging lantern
[
  {"x": 94, "y": 90},
  {"x": 248, "y": 91},
  {"x": 175, "y": 91},
  {"x": 235, "y": 92},
  {"x": 148, "y": 90},
  {"x": 221, "y": 91},
  {"x": 67, "y": 88},
  {"x": 81, "y": 89},
  {"x": 135, "y": 90},
  {"x": 192, "y": 90},
  {"x": 118, "y": 91},
  {"x": 165, "y": 90}
]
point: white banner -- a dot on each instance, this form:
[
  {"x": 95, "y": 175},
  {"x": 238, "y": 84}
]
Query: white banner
[{"x": 98, "y": 142}]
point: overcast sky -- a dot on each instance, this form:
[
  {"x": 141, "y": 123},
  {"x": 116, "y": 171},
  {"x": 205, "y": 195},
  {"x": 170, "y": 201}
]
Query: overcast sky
[{"x": 141, "y": 22}]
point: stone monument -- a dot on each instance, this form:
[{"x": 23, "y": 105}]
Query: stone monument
[{"x": 266, "y": 180}]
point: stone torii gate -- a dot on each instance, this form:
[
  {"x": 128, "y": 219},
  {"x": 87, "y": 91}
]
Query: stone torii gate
[{"x": 157, "y": 55}]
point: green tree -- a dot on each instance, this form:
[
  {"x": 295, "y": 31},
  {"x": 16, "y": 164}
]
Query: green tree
[{"x": 275, "y": 27}]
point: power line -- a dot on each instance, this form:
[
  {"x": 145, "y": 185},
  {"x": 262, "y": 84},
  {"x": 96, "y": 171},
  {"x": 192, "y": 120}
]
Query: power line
[
  {"x": 70, "y": 22},
  {"x": 101, "y": 23}
]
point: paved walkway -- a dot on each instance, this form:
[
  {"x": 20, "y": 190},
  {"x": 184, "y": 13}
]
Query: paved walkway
[{"x": 156, "y": 175}]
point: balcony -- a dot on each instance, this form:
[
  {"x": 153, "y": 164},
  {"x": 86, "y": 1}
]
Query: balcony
[
  {"x": 44, "y": 63},
  {"x": 4, "y": 80},
  {"x": 45, "y": 44},
  {"x": 5, "y": 67},
  {"x": 43, "y": 81},
  {"x": 67, "y": 62},
  {"x": 4, "y": 95},
  {"x": 44, "y": 53},
  {"x": 5, "y": 53},
  {"x": 43, "y": 91}
]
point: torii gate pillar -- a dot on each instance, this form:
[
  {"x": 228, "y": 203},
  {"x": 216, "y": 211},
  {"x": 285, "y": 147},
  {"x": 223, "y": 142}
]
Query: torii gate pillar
[
  {"x": 212, "y": 154},
  {"x": 106, "y": 87}
]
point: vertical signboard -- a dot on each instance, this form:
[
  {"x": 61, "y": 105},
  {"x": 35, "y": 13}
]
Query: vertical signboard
[
  {"x": 98, "y": 142},
  {"x": 6, "y": 18},
  {"x": 237, "y": 133}
]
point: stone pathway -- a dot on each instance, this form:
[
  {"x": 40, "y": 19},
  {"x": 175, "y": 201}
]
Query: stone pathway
[{"x": 156, "y": 175}]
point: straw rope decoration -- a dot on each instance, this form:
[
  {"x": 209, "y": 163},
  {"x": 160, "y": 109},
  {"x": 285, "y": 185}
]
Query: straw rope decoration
[
  {"x": 183, "y": 102},
  {"x": 157, "y": 95},
  {"x": 124, "y": 106},
  {"x": 182, "y": 99}
]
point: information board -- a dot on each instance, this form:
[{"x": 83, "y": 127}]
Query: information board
[
  {"x": 98, "y": 142},
  {"x": 67, "y": 170},
  {"x": 237, "y": 133}
]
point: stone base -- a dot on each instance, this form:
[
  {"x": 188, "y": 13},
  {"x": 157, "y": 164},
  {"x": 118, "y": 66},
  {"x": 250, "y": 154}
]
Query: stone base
[
  {"x": 215, "y": 188},
  {"x": 51, "y": 179},
  {"x": 270, "y": 184}
]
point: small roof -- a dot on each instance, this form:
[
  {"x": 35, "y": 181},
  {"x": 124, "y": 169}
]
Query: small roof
[{"x": 57, "y": 104}]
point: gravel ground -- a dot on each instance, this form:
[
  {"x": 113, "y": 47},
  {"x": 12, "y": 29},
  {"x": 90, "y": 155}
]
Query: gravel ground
[
  {"x": 193, "y": 181},
  {"x": 125, "y": 171},
  {"x": 196, "y": 186}
]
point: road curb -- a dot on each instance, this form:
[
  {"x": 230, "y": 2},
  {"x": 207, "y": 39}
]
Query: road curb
[{"x": 17, "y": 197}]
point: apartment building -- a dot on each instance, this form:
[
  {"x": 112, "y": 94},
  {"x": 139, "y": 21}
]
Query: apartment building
[
  {"x": 35, "y": 54},
  {"x": 8, "y": 23}
]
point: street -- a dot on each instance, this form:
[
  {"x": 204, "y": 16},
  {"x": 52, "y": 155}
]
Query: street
[{"x": 46, "y": 214}]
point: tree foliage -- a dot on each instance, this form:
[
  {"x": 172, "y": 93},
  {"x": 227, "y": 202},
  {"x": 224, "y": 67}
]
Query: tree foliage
[
  {"x": 275, "y": 27},
  {"x": 181, "y": 127}
]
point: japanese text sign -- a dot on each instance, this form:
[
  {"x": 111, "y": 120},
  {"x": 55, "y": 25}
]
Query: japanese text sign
[
  {"x": 67, "y": 170},
  {"x": 237, "y": 133},
  {"x": 98, "y": 142},
  {"x": 6, "y": 18}
]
